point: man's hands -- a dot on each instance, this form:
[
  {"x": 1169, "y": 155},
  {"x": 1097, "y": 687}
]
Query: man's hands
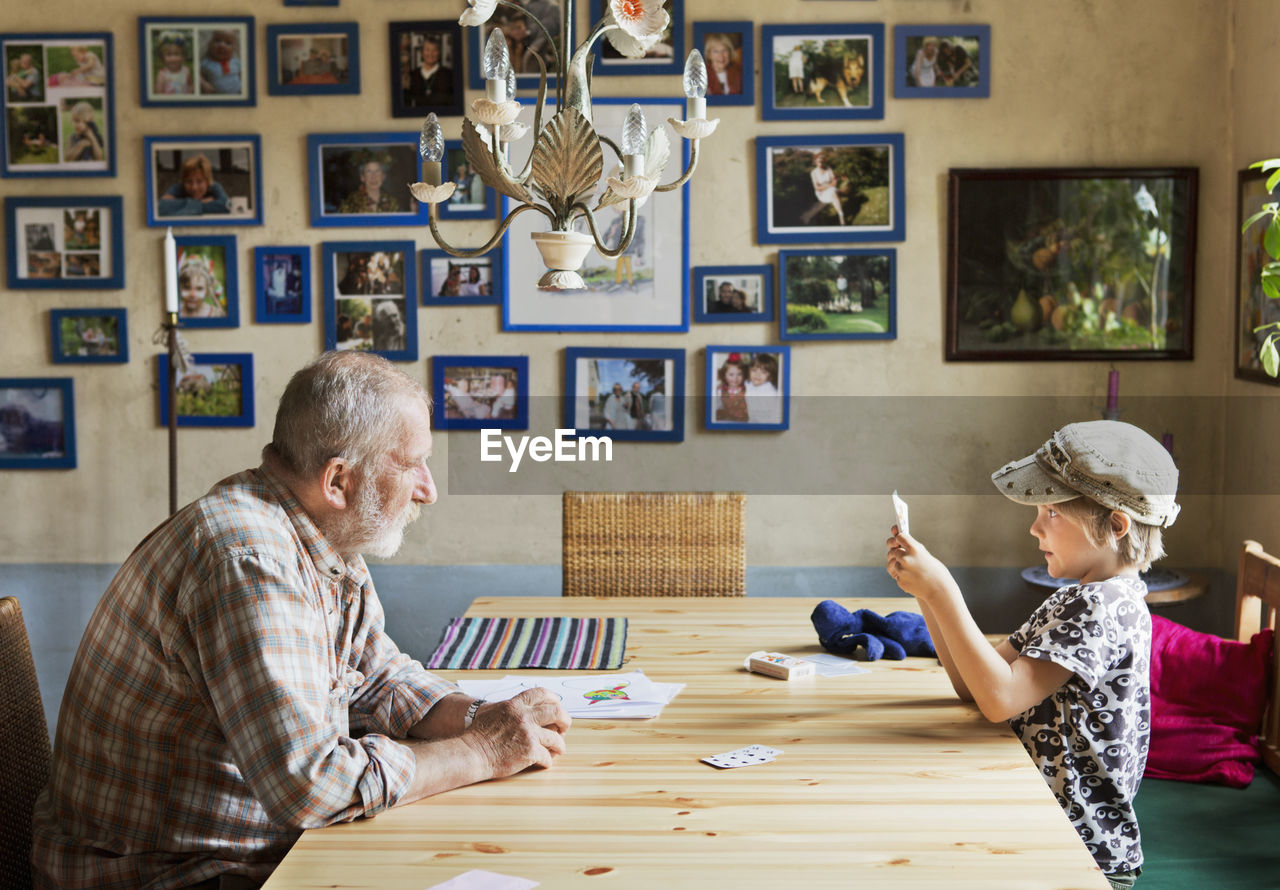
[{"x": 527, "y": 730}]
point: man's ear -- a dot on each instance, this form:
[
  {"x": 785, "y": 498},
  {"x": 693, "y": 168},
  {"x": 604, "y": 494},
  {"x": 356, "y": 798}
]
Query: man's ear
[
  {"x": 1120, "y": 524},
  {"x": 335, "y": 482}
]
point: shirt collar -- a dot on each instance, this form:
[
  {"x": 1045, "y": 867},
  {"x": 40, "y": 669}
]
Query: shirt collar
[{"x": 328, "y": 562}]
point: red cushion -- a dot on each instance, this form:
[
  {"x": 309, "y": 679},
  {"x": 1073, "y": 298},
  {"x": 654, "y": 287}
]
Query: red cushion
[{"x": 1207, "y": 699}]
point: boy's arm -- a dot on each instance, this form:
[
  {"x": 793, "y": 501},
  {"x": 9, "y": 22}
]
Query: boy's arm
[{"x": 1001, "y": 683}]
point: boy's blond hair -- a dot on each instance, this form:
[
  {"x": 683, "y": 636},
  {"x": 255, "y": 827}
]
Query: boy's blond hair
[{"x": 1142, "y": 546}]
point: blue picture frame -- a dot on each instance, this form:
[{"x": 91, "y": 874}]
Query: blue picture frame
[
  {"x": 831, "y": 73},
  {"x": 39, "y": 239},
  {"x": 610, "y": 62},
  {"x": 976, "y": 79},
  {"x": 849, "y": 312},
  {"x": 239, "y": 157},
  {"x": 310, "y": 2},
  {"x": 347, "y": 279},
  {"x": 458, "y": 408},
  {"x": 110, "y": 345},
  {"x": 282, "y": 289},
  {"x": 462, "y": 204},
  {"x": 334, "y": 165},
  {"x": 734, "y": 411},
  {"x": 746, "y": 51},
  {"x": 47, "y": 118},
  {"x": 436, "y": 266},
  {"x": 754, "y": 282},
  {"x": 295, "y": 86},
  {"x": 527, "y": 79},
  {"x": 152, "y": 34},
  {"x": 205, "y": 369},
  {"x": 209, "y": 254},
  {"x": 407, "y": 41},
  {"x": 48, "y": 427},
  {"x": 789, "y": 209},
  {"x": 585, "y": 401}
]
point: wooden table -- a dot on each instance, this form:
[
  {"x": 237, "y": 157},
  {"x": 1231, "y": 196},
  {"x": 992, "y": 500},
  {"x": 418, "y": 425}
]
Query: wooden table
[{"x": 886, "y": 780}]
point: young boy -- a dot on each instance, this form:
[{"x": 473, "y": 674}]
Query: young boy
[{"x": 1074, "y": 680}]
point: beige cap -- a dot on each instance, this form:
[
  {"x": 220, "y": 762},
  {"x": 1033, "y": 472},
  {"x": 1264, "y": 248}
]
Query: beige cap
[{"x": 1116, "y": 464}]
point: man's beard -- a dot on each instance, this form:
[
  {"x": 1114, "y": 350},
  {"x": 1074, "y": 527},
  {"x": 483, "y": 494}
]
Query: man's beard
[{"x": 364, "y": 527}]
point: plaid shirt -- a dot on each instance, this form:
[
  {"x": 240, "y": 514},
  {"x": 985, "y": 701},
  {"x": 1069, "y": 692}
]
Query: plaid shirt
[{"x": 234, "y": 686}]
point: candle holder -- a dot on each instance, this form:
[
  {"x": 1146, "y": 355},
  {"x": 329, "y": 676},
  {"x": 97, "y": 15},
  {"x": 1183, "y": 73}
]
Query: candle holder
[{"x": 171, "y": 338}]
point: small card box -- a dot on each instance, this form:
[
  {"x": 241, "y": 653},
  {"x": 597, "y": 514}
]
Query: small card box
[{"x": 775, "y": 664}]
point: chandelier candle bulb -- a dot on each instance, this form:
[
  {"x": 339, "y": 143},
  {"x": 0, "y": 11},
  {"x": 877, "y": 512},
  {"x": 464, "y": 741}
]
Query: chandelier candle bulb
[
  {"x": 497, "y": 64},
  {"x": 431, "y": 147},
  {"x": 170, "y": 273},
  {"x": 695, "y": 86}
]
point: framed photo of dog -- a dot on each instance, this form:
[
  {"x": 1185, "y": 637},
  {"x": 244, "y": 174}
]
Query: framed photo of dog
[
  {"x": 942, "y": 61},
  {"x": 474, "y": 392},
  {"x": 217, "y": 390},
  {"x": 39, "y": 423},
  {"x": 367, "y": 303},
  {"x": 822, "y": 72}
]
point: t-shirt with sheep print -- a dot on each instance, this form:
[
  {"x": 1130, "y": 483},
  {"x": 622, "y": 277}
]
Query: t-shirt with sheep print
[{"x": 1089, "y": 738}]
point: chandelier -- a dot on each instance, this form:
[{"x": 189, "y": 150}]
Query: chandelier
[{"x": 567, "y": 161}]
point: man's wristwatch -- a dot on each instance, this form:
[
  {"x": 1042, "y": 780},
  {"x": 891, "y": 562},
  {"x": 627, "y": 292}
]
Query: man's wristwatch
[{"x": 470, "y": 716}]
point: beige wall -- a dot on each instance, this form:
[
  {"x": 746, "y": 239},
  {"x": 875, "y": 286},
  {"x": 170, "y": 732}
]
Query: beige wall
[{"x": 1075, "y": 83}]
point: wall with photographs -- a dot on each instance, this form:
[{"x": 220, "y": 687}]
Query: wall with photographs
[{"x": 1070, "y": 85}]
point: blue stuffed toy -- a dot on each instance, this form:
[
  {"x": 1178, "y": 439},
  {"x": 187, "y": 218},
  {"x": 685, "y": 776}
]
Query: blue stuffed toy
[{"x": 867, "y": 636}]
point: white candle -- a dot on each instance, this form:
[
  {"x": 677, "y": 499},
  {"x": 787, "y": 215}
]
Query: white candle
[{"x": 170, "y": 273}]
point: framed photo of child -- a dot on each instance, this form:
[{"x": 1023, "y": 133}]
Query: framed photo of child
[
  {"x": 196, "y": 60},
  {"x": 89, "y": 336},
  {"x": 203, "y": 180},
  {"x": 361, "y": 179},
  {"x": 942, "y": 61},
  {"x": 208, "y": 281},
  {"x": 733, "y": 293},
  {"x": 64, "y": 243},
  {"x": 313, "y": 59},
  {"x": 217, "y": 390},
  {"x": 462, "y": 281},
  {"x": 58, "y": 105},
  {"x": 728, "y": 49},
  {"x": 838, "y": 294},
  {"x": 748, "y": 387},
  {"x": 39, "y": 423},
  {"x": 625, "y": 394},
  {"x": 283, "y": 276},
  {"x": 366, "y": 297},
  {"x": 473, "y": 392},
  {"x": 426, "y": 68}
]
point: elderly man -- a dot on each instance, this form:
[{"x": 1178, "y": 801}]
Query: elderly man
[{"x": 236, "y": 685}]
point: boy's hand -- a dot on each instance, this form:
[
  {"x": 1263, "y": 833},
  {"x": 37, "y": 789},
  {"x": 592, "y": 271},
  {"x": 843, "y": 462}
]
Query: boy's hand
[{"x": 917, "y": 571}]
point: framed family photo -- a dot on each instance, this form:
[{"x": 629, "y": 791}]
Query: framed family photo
[
  {"x": 473, "y": 392},
  {"x": 313, "y": 59},
  {"x": 666, "y": 56},
  {"x": 89, "y": 336},
  {"x": 426, "y": 68},
  {"x": 37, "y": 423},
  {"x": 635, "y": 291},
  {"x": 208, "y": 281},
  {"x": 367, "y": 302},
  {"x": 625, "y": 394},
  {"x": 361, "y": 179},
  {"x": 472, "y": 199},
  {"x": 728, "y": 49},
  {"x": 197, "y": 60},
  {"x": 830, "y": 188},
  {"x": 531, "y": 33},
  {"x": 733, "y": 293},
  {"x": 1070, "y": 263},
  {"x": 942, "y": 61},
  {"x": 59, "y": 105},
  {"x": 283, "y": 291},
  {"x": 838, "y": 294},
  {"x": 64, "y": 243},
  {"x": 462, "y": 281},
  {"x": 203, "y": 180},
  {"x": 1253, "y": 307},
  {"x": 822, "y": 72},
  {"x": 748, "y": 387},
  {"x": 217, "y": 390}
]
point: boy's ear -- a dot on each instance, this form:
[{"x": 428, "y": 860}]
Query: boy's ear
[{"x": 1120, "y": 523}]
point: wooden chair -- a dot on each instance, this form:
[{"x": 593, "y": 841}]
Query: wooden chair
[
  {"x": 25, "y": 754},
  {"x": 1257, "y": 602},
  {"x": 654, "y": 544}
]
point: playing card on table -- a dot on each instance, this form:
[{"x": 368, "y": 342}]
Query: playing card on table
[
  {"x": 748, "y": 756},
  {"x": 900, "y": 507}
]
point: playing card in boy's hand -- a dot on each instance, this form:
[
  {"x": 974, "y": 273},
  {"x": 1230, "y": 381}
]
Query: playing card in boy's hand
[
  {"x": 748, "y": 756},
  {"x": 900, "y": 507}
]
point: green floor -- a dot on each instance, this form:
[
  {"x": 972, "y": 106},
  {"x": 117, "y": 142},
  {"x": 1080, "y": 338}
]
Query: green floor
[{"x": 1209, "y": 837}]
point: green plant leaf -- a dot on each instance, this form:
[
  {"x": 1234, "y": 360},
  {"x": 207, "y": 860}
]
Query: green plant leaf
[
  {"x": 1270, "y": 358},
  {"x": 1253, "y": 219},
  {"x": 1269, "y": 286},
  {"x": 1271, "y": 240},
  {"x": 1272, "y": 180}
]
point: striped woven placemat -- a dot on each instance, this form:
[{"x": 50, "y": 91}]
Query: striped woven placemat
[{"x": 549, "y": 642}]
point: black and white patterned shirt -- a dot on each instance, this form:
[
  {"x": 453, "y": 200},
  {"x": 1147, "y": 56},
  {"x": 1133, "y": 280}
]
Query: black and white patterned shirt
[{"x": 1089, "y": 739}]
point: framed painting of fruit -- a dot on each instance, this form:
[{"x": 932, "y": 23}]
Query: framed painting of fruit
[{"x": 1063, "y": 263}]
